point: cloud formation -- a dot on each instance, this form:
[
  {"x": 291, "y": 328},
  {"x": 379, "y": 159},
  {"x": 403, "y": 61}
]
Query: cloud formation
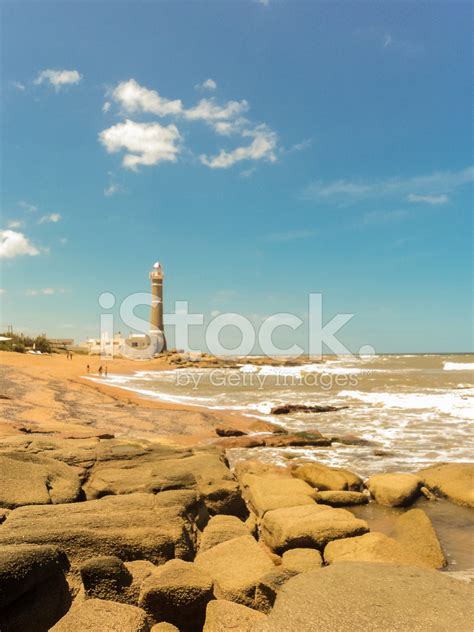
[
  {"x": 58, "y": 78},
  {"x": 15, "y": 244},
  {"x": 132, "y": 97},
  {"x": 145, "y": 143},
  {"x": 46, "y": 291},
  {"x": 50, "y": 218},
  {"x": 209, "y": 84},
  {"x": 263, "y": 147},
  {"x": 429, "y": 199}
]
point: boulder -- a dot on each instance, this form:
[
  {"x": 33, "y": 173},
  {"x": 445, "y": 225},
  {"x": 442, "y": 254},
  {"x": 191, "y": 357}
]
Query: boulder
[
  {"x": 225, "y": 616},
  {"x": 164, "y": 627},
  {"x": 273, "y": 491},
  {"x": 371, "y": 547},
  {"x": 365, "y": 597},
  {"x": 95, "y": 615},
  {"x": 269, "y": 585},
  {"x": 302, "y": 560},
  {"x": 453, "y": 480},
  {"x": 220, "y": 529},
  {"x": 341, "y": 498},
  {"x": 133, "y": 526},
  {"x": 327, "y": 478},
  {"x": 28, "y": 479},
  {"x": 178, "y": 593},
  {"x": 111, "y": 579},
  {"x": 276, "y": 440},
  {"x": 288, "y": 409},
  {"x": 394, "y": 490},
  {"x": 236, "y": 567},
  {"x": 33, "y": 590},
  {"x": 311, "y": 526},
  {"x": 415, "y": 532}
]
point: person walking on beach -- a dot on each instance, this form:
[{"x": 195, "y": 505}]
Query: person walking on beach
[
  {"x": 105, "y": 372},
  {"x": 88, "y": 369},
  {"x": 100, "y": 371}
]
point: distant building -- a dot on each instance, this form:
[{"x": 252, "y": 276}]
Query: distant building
[{"x": 61, "y": 342}]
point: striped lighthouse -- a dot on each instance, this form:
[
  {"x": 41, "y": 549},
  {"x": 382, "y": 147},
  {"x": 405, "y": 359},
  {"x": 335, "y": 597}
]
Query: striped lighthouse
[{"x": 157, "y": 330}]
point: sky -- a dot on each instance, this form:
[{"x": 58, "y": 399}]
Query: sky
[{"x": 261, "y": 151}]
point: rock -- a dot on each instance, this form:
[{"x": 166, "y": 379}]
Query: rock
[
  {"x": 302, "y": 560},
  {"x": 269, "y": 585},
  {"x": 236, "y": 567},
  {"x": 164, "y": 627},
  {"x": 95, "y": 615},
  {"x": 252, "y": 466},
  {"x": 326, "y": 478},
  {"x": 28, "y": 479},
  {"x": 415, "y": 532},
  {"x": 226, "y": 616},
  {"x": 153, "y": 472},
  {"x": 367, "y": 597},
  {"x": 33, "y": 590},
  {"x": 287, "y": 409},
  {"x": 134, "y": 526},
  {"x": 265, "y": 493},
  {"x": 220, "y": 529},
  {"x": 349, "y": 439},
  {"x": 371, "y": 547},
  {"x": 453, "y": 480},
  {"x": 228, "y": 431},
  {"x": 275, "y": 440},
  {"x": 341, "y": 498},
  {"x": 111, "y": 579},
  {"x": 178, "y": 593},
  {"x": 394, "y": 490},
  {"x": 311, "y": 526}
]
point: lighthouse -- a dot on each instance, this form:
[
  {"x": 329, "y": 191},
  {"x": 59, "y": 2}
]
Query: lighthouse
[{"x": 157, "y": 331}]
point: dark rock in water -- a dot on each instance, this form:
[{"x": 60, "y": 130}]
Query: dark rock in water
[
  {"x": 276, "y": 440},
  {"x": 33, "y": 590},
  {"x": 352, "y": 440},
  {"x": 228, "y": 431},
  {"x": 286, "y": 409}
]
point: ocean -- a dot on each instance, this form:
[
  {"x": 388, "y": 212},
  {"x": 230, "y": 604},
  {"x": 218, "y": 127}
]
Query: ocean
[{"x": 412, "y": 410}]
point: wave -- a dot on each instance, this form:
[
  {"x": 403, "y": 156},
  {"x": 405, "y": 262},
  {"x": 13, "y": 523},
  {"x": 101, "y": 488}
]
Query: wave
[{"x": 458, "y": 366}]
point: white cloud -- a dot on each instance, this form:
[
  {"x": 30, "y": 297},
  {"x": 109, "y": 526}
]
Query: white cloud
[
  {"x": 58, "y": 78},
  {"x": 133, "y": 97},
  {"x": 208, "y": 110},
  {"x": 376, "y": 218},
  {"x": 112, "y": 189},
  {"x": 31, "y": 208},
  {"x": 46, "y": 291},
  {"x": 106, "y": 107},
  {"x": 290, "y": 235},
  {"x": 63, "y": 240},
  {"x": 262, "y": 147},
  {"x": 15, "y": 223},
  {"x": 209, "y": 84},
  {"x": 266, "y": 3},
  {"x": 429, "y": 199},
  {"x": 18, "y": 86},
  {"x": 387, "y": 40},
  {"x": 302, "y": 146},
  {"x": 145, "y": 143},
  {"x": 15, "y": 244},
  {"x": 433, "y": 185},
  {"x": 52, "y": 217}
]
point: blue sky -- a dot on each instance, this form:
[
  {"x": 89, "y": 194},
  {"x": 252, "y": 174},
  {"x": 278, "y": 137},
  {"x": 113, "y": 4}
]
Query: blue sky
[{"x": 271, "y": 150}]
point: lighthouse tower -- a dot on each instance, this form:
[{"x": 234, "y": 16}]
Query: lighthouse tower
[{"x": 157, "y": 330}]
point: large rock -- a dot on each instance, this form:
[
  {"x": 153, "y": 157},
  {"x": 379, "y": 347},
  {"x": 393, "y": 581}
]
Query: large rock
[
  {"x": 365, "y": 597},
  {"x": 394, "y": 490},
  {"x": 134, "y": 526},
  {"x": 226, "y": 616},
  {"x": 33, "y": 590},
  {"x": 236, "y": 567},
  {"x": 111, "y": 579},
  {"x": 28, "y": 479},
  {"x": 302, "y": 560},
  {"x": 274, "y": 491},
  {"x": 95, "y": 615},
  {"x": 220, "y": 529},
  {"x": 269, "y": 585},
  {"x": 310, "y": 526},
  {"x": 341, "y": 498},
  {"x": 155, "y": 471},
  {"x": 371, "y": 547},
  {"x": 416, "y": 534},
  {"x": 178, "y": 593},
  {"x": 328, "y": 478},
  {"x": 453, "y": 480}
]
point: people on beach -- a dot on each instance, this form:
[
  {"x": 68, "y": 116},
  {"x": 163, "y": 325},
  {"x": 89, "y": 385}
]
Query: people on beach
[
  {"x": 88, "y": 368},
  {"x": 100, "y": 370},
  {"x": 105, "y": 371}
]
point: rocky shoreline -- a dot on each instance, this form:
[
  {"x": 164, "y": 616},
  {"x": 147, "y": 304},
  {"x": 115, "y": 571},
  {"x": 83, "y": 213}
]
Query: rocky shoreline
[{"x": 98, "y": 533}]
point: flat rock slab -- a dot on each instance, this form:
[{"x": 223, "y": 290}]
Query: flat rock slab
[
  {"x": 220, "y": 529},
  {"x": 326, "y": 478},
  {"x": 133, "y": 526},
  {"x": 415, "y": 532},
  {"x": 29, "y": 479},
  {"x": 394, "y": 490},
  {"x": 365, "y": 597},
  {"x": 226, "y": 616},
  {"x": 236, "y": 567},
  {"x": 453, "y": 480},
  {"x": 341, "y": 498},
  {"x": 273, "y": 491},
  {"x": 302, "y": 560},
  {"x": 95, "y": 615},
  {"x": 308, "y": 526},
  {"x": 371, "y": 547}
]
